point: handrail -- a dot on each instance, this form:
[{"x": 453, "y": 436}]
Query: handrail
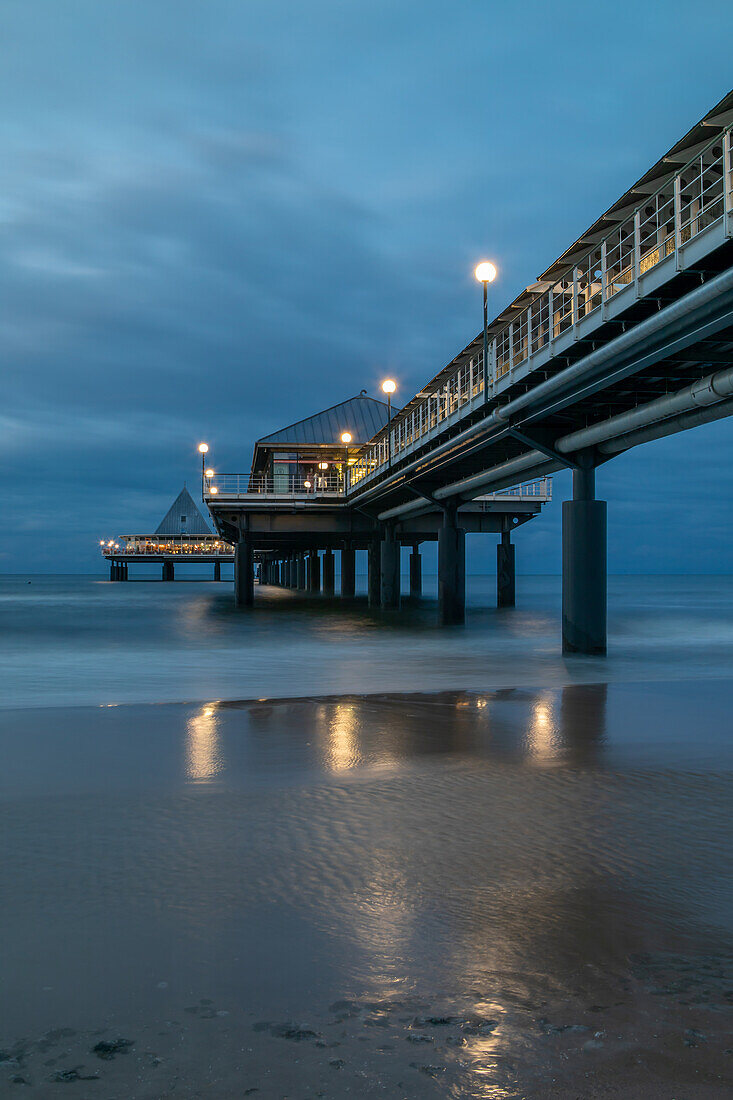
[{"x": 692, "y": 199}]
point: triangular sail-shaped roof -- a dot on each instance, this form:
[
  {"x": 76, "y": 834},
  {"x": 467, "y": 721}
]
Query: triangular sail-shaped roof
[
  {"x": 362, "y": 416},
  {"x": 183, "y": 517}
]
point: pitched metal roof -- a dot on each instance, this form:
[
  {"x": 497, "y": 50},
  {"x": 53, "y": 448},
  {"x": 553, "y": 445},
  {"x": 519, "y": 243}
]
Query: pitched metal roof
[
  {"x": 362, "y": 416},
  {"x": 183, "y": 517}
]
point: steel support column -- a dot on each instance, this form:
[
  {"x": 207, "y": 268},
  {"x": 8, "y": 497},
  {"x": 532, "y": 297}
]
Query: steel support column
[
  {"x": 505, "y": 571},
  {"x": 348, "y": 573},
  {"x": 415, "y": 572},
  {"x": 244, "y": 589},
  {"x": 373, "y": 573},
  {"x": 329, "y": 573},
  {"x": 314, "y": 572},
  {"x": 390, "y": 571},
  {"x": 584, "y": 566},
  {"x": 451, "y": 571}
]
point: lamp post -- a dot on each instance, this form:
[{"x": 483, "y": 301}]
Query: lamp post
[
  {"x": 346, "y": 439},
  {"x": 388, "y": 387},
  {"x": 203, "y": 451},
  {"x": 486, "y": 273}
]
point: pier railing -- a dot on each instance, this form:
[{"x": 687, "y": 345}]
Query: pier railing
[
  {"x": 224, "y": 487},
  {"x": 696, "y": 198},
  {"x": 185, "y": 546}
]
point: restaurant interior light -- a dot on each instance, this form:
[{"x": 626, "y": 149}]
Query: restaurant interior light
[
  {"x": 307, "y": 484},
  {"x": 322, "y": 465}
]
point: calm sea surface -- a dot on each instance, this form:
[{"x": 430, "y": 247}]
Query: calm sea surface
[{"x": 76, "y": 640}]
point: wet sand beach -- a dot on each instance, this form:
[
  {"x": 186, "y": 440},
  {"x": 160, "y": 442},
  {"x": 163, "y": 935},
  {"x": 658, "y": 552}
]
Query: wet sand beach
[{"x": 522, "y": 892}]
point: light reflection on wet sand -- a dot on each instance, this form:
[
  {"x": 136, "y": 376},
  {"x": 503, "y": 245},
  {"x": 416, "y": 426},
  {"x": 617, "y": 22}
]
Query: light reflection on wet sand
[{"x": 524, "y": 867}]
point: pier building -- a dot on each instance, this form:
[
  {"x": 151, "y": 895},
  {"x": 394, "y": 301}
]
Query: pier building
[
  {"x": 182, "y": 537},
  {"x": 625, "y": 338}
]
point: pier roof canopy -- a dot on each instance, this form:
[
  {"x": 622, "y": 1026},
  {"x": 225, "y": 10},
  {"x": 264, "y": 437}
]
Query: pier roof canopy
[
  {"x": 183, "y": 517},
  {"x": 362, "y": 416}
]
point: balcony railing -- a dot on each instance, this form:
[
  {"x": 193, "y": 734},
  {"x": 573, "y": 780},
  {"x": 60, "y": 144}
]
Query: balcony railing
[
  {"x": 179, "y": 546},
  {"x": 697, "y": 197},
  {"x": 240, "y": 486}
]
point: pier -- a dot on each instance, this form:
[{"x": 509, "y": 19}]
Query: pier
[
  {"x": 626, "y": 338},
  {"x": 182, "y": 537}
]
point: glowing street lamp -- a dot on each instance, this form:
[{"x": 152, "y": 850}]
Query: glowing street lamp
[
  {"x": 486, "y": 273},
  {"x": 203, "y": 451},
  {"x": 346, "y": 438},
  {"x": 389, "y": 387}
]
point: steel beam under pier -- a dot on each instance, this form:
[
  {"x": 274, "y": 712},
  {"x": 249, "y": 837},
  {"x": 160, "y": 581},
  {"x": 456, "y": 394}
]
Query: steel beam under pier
[
  {"x": 314, "y": 572},
  {"x": 451, "y": 571},
  {"x": 505, "y": 571},
  {"x": 348, "y": 573},
  {"x": 584, "y": 566},
  {"x": 329, "y": 573},
  {"x": 390, "y": 571},
  {"x": 416, "y": 572},
  {"x": 244, "y": 588}
]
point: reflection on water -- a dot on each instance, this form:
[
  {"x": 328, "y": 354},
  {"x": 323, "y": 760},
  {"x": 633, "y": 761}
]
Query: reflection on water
[
  {"x": 203, "y": 750},
  {"x": 517, "y": 856}
]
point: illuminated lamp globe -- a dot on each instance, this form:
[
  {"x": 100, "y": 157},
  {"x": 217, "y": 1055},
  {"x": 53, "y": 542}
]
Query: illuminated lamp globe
[
  {"x": 307, "y": 484},
  {"x": 322, "y": 465},
  {"x": 203, "y": 448},
  {"x": 388, "y": 386},
  {"x": 214, "y": 490},
  {"x": 485, "y": 272},
  {"x": 209, "y": 472},
  {"x": 346, "y": 437}
]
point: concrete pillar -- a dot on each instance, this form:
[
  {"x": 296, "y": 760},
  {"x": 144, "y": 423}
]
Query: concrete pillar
[
  {"x": 217, "y": 570},
  {"x": 301, "y": 572},
  {"x": 374, "y": 587},
  {"x": 124, "y": 571},
  {"x": 451, "y": 571},
  {"x": 348, "y": 573},
  {"x": 314, "y": 571},
  {"x": 286, "y": 573},
  {"x": 329, "y": 573},
  {"x": 168, "y": 571},
  {"x": 505, "y": 571},
  {"x": 390, "y": 571},
  {"x": 244, "y": 589},
  {"x": 416, "y": 572},
  {"x": 584, "y": 566},
  {"x": 111, "y": 570}
]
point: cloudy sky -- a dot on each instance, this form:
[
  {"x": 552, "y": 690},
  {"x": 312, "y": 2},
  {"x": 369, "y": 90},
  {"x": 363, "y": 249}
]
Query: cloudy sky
[{"x": 218, "y": 216}]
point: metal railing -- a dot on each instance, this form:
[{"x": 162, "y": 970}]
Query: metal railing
[
  {"x": 539, "y": 489},
  {"x": 180, "y": 546},
  {"x": 696, "y": 197},
  {"x": 284, "y": 485}
]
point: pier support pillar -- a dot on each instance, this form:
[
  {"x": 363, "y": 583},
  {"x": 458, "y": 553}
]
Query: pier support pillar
[
  {"x": 390, "y": 571},
  {"x": 217, "y": 570},
  {"x": 168, "y": 571},
  {"x": 329, "y": 573},
  {"x": 301, "y": 572},
  {"x": 506, "y": 595},
  {"x": 314, "y": 572},
  {"x": 451, "y": 571},
  {"x": 348, "y": 573},
  {"x": 416, "y": 572},
  {"x": 374, "y": 587},
  {"x": 124, "y": 571},
  {"x": 288, "y": 570},
  {"x": 244, "y": 588},
  {"x": 584, "y": 566},
  {"x": 111, "y": 571}
]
